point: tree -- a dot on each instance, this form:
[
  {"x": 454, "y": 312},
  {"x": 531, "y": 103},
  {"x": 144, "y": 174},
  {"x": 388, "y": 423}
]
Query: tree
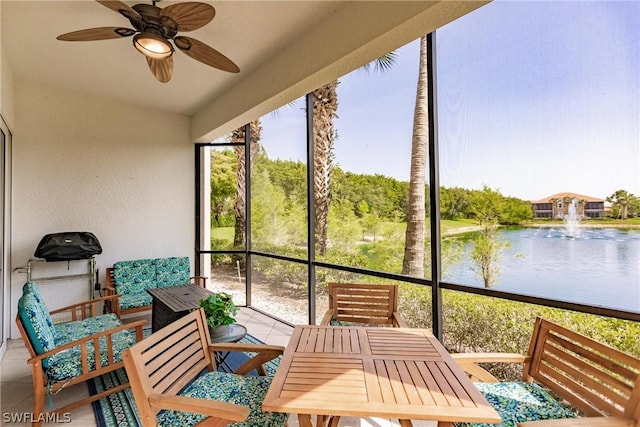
[
  {"x": 515, "y": 211},
  {"x": 621, "y": 200},
  {"x": 413, "y": 261},
  {"x": 487, "y": 207},
  {"x": 223, "y": 187},
  {"x": 454, "y": 202},
  {"x": 240, "y": 205},
  {"x": 371, "y": 223},
  {"x": 325, "y": 108}
]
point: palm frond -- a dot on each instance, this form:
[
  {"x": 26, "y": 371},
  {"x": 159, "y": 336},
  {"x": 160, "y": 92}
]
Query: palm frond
[{"x": 382, "y": 64}]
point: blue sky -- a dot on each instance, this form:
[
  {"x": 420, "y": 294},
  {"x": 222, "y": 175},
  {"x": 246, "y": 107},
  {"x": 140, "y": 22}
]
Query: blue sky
[{"x": 534, "y": 98}]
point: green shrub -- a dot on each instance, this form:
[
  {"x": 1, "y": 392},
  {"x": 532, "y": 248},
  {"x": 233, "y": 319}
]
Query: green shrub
[{"x": 475, "y": 323}]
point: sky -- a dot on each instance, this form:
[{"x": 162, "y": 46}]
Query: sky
[{"x": 534, "y": 98}]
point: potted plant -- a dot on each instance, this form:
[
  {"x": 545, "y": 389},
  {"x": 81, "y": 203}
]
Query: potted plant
[{"x": 219, "y": 309}]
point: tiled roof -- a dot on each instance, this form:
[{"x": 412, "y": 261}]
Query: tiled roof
[{"x": 571, "y": 195}]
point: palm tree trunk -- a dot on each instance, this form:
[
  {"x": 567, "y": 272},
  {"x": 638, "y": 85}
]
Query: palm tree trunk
[
  {"x": 325, "y": 107},
  {"x": 413, "y": 262},
  {"x": 240, "y": 205}
]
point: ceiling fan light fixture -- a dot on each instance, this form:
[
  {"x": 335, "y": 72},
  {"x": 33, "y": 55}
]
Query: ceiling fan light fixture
[{"x": 152, "y": 45}]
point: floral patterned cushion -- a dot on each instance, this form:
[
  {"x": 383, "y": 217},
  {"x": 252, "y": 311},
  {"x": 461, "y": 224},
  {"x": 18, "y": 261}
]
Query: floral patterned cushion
[
  {"x": 33, "y": 316},
  {"x": 68, "y": 364},
  {"x": 242, "y": 390},
  {"x": 138, "y": 299},
  {"x": 134, "y": 276},
  {"x": 173, "y": 271},
  {"x": 70, "y": 331},
  {"x": 517, "y": 402},
  {"x": 31, "y": 287}
]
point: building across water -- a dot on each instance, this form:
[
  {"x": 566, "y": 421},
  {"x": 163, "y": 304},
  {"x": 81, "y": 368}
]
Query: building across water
[{"x": 558, "y": 206}]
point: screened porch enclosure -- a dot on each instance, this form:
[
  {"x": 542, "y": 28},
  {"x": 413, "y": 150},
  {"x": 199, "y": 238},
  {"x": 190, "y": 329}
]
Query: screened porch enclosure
[{"x": 499, "y": 135}]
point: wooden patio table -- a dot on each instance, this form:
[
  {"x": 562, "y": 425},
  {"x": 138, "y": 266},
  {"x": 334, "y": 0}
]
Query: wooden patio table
[{"x": 399, "y": 373}]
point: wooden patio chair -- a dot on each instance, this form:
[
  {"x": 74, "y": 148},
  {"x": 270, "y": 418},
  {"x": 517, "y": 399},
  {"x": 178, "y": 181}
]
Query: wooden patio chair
[
  {"x": 170, "y": 389},
  {"x": 363, "y": 303}
]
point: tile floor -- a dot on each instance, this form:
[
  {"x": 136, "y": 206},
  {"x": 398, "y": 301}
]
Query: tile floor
[{"x": 16, "y": 391}]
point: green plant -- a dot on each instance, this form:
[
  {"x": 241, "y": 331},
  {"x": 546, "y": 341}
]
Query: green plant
[{"x": 219, "y": 309}]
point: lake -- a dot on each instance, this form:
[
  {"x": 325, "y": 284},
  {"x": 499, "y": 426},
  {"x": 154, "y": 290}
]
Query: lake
[{"x": 599, "y": 266}]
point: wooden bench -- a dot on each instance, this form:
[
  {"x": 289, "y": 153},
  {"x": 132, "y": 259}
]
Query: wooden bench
[
  {"x": 129, "y": 280},
  {"x": 600, "y": 381},
  {"x": 165, "y": 372}
]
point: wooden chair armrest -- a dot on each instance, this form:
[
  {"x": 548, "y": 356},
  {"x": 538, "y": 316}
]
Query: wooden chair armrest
[
  {"x": 212, "y": 408},
  {"x": 82, "y": 306},
  {"x": 589, "y": 422},
  {"x": 326, "y": 319},
  {"x": 398, "y": 321},
  {"x": 199, "y": 281},
  {"x": 489, "y": 357},
  {"x": 95, "y": 337},
  {"x": 469, "y": 363},
  {"x": 109, "y": 290},
  {"x": 264, "y": 354}
]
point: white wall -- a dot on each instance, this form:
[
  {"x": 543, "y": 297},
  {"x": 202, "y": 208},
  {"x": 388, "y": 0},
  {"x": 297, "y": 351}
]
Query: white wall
[
  {"x": 88, "y": 164},
  {"x": 7, "y": 120}
]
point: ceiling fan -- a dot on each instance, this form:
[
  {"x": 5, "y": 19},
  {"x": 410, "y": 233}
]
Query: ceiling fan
[{"x": 154, "y": 28}]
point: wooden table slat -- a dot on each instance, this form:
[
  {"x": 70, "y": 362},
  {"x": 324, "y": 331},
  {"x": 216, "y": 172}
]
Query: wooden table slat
[{"x": 373, "y": 372}]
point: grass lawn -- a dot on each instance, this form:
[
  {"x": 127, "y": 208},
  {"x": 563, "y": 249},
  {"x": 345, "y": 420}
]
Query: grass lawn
[{"x": 222, "y": 233}]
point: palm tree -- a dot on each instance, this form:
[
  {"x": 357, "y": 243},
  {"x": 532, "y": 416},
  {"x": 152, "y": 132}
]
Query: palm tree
[
  {"x": 240, "y": 205},
  {"x": 413, "y": 261},
  {"x": 325, "y": 107}
]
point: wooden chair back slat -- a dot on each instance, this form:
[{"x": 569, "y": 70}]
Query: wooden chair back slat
[
  {"x": 363, "y": 303},
  {"x": 592, "y": 376},
  {"x": 168, "y": 360}
]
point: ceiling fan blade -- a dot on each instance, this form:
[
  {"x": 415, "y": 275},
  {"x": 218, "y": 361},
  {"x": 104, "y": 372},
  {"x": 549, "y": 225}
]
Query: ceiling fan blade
[
  {"x": 162, "y": 69},
  {"x": 205, "y": 54},
  {"x": 187, "y": 16},
  {"x": 120, "y": 7},
  {"x": 91, "y": 34}
]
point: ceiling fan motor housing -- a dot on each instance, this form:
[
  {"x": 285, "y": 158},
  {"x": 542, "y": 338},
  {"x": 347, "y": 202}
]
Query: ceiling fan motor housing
[{"x": 153, "y": 21}]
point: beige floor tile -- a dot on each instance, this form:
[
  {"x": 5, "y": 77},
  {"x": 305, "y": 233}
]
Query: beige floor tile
[
  {"x": 16, "y": 397},
  {"x": 15, "y": 370}
]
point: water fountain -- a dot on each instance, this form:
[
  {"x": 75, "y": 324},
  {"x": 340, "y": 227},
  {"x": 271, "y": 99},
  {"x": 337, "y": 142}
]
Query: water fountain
[{"x": 572, "y": 220}]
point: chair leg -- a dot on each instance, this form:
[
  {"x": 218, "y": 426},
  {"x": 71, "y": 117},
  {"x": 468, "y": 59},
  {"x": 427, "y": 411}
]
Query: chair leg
[{"x": 39, "y": 392}]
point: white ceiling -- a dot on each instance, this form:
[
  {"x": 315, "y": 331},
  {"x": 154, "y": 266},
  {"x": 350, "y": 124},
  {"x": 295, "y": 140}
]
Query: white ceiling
[
  {"x": 248, "y": 32},
  {"x": 283, "y": 48}
]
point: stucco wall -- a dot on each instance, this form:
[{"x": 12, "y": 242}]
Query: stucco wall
[{"x": 88, "y": 164}]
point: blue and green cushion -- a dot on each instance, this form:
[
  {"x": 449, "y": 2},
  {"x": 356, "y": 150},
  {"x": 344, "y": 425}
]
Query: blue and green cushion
[
  {"x": 518, "y": 402},
  {"x": 68, "y": 363},
  {"x": 135, "y": 276},
  {"x": 70, "y": 331},
  {"x": 32, "y": 288},
  {"x": 33, "y": 316},
  {"x": 172, "y": 271},
  {"x": 242, "y": 390},
  {"x": 134, "y": 300}
]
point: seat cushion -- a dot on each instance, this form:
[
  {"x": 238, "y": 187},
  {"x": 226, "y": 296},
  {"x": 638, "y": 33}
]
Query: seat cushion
[
  {"x": 70, "y": 331},
  {"x": 68, "y": 364},
  {"x": 242, "y": 390},
  {"x": 134, "y": 276},
  {"x": 134, "y": 300},
  {"x": 33, "y": 316},
  {"x": 172, "y": 271},
  {"x": 517, "y": 402},
  {"x": 31, "y": 287}
]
